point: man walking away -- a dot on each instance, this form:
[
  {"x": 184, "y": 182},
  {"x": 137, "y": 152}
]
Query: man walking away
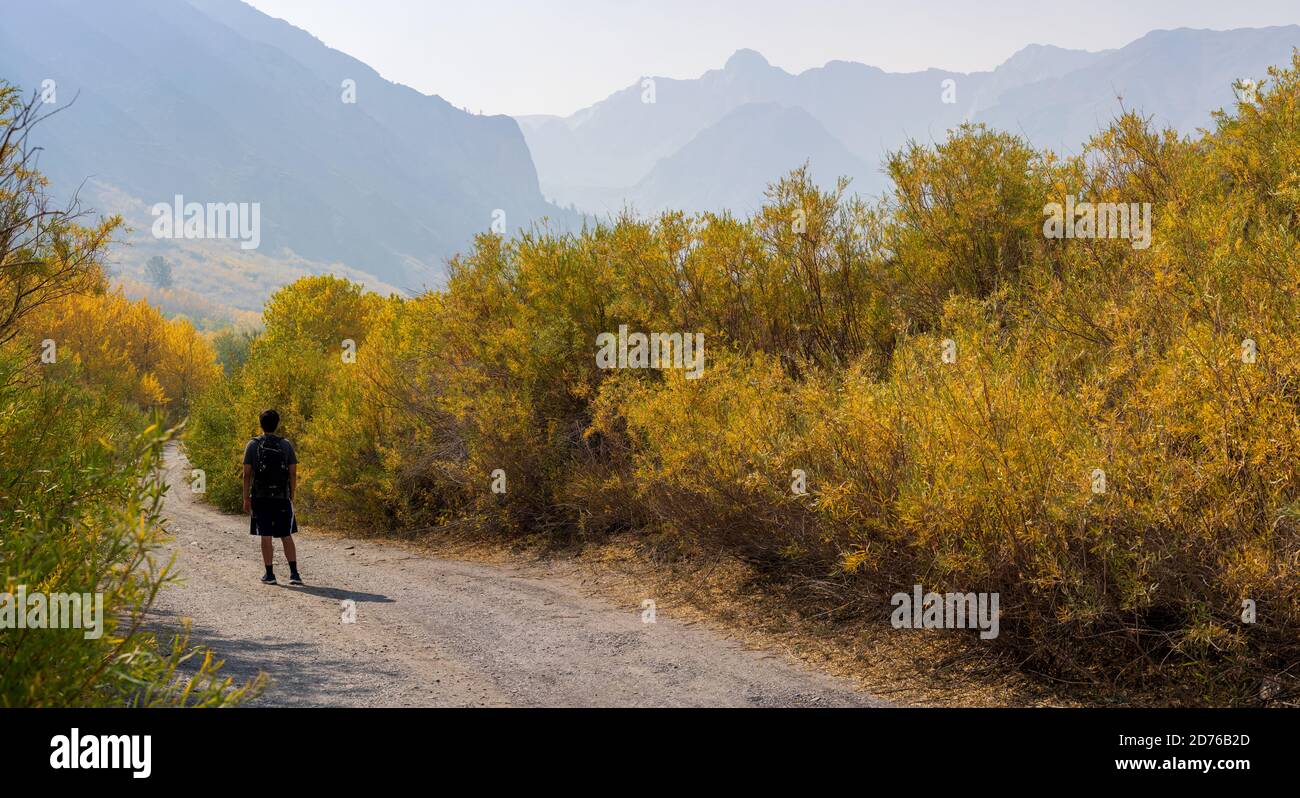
[{"x": 270, "y": 485}]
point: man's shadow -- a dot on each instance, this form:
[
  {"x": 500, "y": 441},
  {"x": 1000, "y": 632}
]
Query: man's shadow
[{"x": 338, "y": 594}]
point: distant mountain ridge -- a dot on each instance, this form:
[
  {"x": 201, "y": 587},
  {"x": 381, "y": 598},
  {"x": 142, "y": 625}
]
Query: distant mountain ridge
[
  {"x": 728, "y": 165},
  {"x": 216, "y": 101},
  {"x": 601, "y": 157}
]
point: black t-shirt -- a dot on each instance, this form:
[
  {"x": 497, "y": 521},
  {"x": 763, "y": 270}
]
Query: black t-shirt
[{"x": 250, "y": 451}]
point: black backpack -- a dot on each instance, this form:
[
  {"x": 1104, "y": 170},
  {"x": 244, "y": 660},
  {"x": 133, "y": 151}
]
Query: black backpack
[{"x": 270, "y": 468}]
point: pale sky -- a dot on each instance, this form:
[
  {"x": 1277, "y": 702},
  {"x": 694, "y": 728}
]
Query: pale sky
[{"x": 556, "y": 56}]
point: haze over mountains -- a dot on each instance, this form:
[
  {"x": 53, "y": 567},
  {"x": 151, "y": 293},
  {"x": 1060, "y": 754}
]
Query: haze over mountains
[
  {"x": 213, "y": 100},
  {"x": 686, "y": 143},
  {"x": 218, "y": 102}
]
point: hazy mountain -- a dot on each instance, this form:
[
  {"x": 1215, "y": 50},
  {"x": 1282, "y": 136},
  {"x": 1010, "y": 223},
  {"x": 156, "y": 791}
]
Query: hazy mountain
[
  {"x": 215, "y": 101},
  {"x": 595, "y": 157},
  {"x": 1176, "y": 76},
  {"x": 601, "y": 157},
  {"x": 1029, "y": 65},
  {"x": 729, "y": 164},
  {"x": 619, "y": 140}
]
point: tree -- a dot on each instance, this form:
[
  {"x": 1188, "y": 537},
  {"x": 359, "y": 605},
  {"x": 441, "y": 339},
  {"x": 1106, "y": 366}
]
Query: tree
[
  {"x": 45, "y": 254},
  {"x": 159, "y": 271}
]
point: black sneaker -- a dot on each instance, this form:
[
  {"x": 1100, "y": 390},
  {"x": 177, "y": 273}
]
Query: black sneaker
[
  {"x": 294, "y": 579},
  {"x": 268, "y": 579}
]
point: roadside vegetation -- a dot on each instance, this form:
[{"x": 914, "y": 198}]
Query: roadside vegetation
[
  {"x": 1106, "y": 435},
  {"x": 91, "y": 387}
]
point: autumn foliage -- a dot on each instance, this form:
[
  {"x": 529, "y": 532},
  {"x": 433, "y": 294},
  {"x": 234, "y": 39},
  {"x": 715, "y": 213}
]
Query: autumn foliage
[
  {"x": 1170, "y": 370},
  {"x": 88, "y": 382}
]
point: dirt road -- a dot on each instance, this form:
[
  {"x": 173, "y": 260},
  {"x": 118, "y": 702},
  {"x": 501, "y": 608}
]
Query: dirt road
[{"x": 437, "y": 632}]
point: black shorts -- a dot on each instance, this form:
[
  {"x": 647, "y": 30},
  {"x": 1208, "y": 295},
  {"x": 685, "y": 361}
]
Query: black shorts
[{"x": 272, "y": 517}]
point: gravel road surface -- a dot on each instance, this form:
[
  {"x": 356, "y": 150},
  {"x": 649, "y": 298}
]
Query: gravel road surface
[{"x": 438, "y": 632}]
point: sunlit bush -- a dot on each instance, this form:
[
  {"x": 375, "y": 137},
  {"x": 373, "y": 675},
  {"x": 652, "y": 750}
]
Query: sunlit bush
[
  {"x": 928, "y": 389},
  {"x": 86, "y": 380}
]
